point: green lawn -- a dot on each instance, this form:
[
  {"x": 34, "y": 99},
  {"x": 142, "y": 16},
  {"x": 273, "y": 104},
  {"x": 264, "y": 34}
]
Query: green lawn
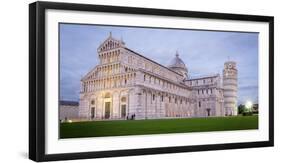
[{"x": 142, "y": 127}]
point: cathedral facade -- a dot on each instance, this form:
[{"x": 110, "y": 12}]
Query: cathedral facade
[{"x": 126, "y": 84}]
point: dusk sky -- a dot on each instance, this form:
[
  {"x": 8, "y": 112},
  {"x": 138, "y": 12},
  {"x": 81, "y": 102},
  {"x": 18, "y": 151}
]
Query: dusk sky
[{"x": 204, "y": 53}]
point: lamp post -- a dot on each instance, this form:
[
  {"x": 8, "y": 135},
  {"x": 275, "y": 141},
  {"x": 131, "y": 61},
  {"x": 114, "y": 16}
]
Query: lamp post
[{"x": 249, "y": 106}]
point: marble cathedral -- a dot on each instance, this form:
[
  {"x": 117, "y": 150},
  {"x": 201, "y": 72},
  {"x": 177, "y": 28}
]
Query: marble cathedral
[{"x": 126, "y": 84}]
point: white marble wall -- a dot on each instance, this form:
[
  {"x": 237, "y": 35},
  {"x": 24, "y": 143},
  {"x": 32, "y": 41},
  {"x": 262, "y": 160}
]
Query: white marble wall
[{"x": 151, "y": 90}]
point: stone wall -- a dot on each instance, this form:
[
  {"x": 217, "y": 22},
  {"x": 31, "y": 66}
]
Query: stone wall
[{"x": 68, "y": 110}]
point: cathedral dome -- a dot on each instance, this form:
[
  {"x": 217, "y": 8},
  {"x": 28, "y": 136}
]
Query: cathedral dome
[{"x": 178, "y": 65}]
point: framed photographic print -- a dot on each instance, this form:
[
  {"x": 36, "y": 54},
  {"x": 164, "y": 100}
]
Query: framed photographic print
[{"x": 109, "y": 81}]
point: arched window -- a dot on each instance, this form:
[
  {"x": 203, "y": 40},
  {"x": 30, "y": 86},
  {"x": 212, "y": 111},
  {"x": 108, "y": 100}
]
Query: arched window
[
  {"x": 123, "y": 99},
  {"x": 93, "y": 102}
]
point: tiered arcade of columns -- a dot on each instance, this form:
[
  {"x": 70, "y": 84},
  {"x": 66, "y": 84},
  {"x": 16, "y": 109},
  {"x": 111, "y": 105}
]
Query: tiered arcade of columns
[
  {"x": 230, "y": 87},
  {"x": 126, "y": 84}
]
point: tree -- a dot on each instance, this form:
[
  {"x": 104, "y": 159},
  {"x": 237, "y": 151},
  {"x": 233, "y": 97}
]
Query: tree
[{"x": 241, "y": 109}]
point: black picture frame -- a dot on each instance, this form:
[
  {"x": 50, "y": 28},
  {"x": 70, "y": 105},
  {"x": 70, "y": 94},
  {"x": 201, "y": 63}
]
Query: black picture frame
[{"x": 37, "y": 78}]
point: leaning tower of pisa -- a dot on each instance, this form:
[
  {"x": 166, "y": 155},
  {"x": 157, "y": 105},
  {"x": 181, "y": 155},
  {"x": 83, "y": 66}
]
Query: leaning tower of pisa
[{"x": 230, "y": 88}]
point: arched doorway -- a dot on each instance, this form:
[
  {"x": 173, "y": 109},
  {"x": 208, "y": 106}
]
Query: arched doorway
[
  {"x": 107, "y": 105},
  {"x": 123, "y": 107},
  {"x": 93, "y": 109},
  {"x": 208, "y": 110}
]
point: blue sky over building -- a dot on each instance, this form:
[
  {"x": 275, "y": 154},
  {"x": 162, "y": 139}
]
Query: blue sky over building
[{"x": 204, "y": 53}]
